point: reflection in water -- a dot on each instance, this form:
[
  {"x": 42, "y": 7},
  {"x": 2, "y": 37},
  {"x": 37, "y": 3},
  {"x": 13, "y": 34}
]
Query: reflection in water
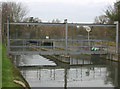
[{"x": 83, "y": 71}]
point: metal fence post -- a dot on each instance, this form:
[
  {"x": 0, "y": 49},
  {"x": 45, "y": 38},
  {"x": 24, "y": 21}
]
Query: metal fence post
[
  {"x": 117, "y": 37},
  {"x": 66, "y": 35},
  {"x": 8, "y": 40}
]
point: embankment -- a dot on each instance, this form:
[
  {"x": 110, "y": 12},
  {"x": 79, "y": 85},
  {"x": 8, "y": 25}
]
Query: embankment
[{"x": 11, "y": 74}]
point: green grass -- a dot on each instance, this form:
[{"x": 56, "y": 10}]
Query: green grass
[
  {"x": 9, "y": 72},
  {"x": 0, "y": 64}
]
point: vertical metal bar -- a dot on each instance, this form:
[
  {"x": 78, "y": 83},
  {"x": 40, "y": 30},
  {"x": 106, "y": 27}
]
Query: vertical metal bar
[
  {"x": 88, "y": 36},
  {"x": 107, "y": 46},
  {"x": 89, "y": 40},
  {"x": 118, "y": 4},
  {"x": 54, "y": 46},
  {"x": 15, "y": 60},
  {"x": 8, "y": 40},
  {"x": 23, "y": 45},
  {"x": 37, "y": 39},
  {"x": 117, "y": 36},
  {"x": 66, "y": 35}
]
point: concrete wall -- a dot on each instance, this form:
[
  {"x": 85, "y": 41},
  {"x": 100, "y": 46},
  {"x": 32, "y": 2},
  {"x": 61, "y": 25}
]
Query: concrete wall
[{"x": 112, "y": 57}]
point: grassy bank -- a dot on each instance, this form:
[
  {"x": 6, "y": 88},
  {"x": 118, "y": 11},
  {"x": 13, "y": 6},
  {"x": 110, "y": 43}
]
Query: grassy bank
[
  {"x": 10, "y": 72},
  {"x": 0, "y": 65}
]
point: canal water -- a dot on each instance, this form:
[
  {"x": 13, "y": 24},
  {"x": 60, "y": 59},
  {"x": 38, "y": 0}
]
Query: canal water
[{"x": 83, "y": 71}]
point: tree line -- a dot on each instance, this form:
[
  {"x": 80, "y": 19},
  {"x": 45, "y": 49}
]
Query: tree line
[
  {"x": 111, "y": 14},
  {"x": 17, "y": 12}
]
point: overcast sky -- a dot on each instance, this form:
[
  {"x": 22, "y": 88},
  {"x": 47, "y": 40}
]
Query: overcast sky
[{"x": 73, "y": 10}]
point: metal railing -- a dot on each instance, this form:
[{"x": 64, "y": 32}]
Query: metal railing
[{"x": 60, "y": 46}]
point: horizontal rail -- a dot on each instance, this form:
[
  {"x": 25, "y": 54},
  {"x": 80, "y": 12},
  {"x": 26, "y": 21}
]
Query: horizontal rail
[
  {"x": 96, "y": 25},
  {"x": 41, "y": 24},
  {"x": 56, "y": 46},
  {"x": 55, "y": 52},
  {"x": 62, "y": 24},
  {"x": 51, "y": 40},
  {"x": 37, "y": 39}
]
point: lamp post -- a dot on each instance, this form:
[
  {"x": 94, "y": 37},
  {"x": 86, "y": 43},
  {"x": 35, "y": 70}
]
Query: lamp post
[{"x": 88, "y": 29}]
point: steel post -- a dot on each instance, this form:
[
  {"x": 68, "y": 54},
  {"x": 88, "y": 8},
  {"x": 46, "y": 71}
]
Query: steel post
[
  {"x": 8, "y": 41},
  {"x": 117, "y": 37},
  {"x": 89, "y": 40},
  {"x": 66, "y": 35},
  {"x": 118, "y": 3},
  {"x": 88, "y": 36}
]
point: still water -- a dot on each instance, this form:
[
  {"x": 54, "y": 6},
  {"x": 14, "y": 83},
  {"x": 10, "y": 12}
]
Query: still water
[{"x": 83, "y": 71}]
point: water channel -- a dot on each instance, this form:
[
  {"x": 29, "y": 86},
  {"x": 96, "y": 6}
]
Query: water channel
[{"x": 83, "y": 71}]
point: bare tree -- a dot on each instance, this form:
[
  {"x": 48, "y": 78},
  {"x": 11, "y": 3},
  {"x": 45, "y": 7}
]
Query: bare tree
[
  {"x": 13, "y": 11},
  {"x": 102, "y": 19},
  {"x": 110, "y": 15},
  {"x": 55, "y": 21}
]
